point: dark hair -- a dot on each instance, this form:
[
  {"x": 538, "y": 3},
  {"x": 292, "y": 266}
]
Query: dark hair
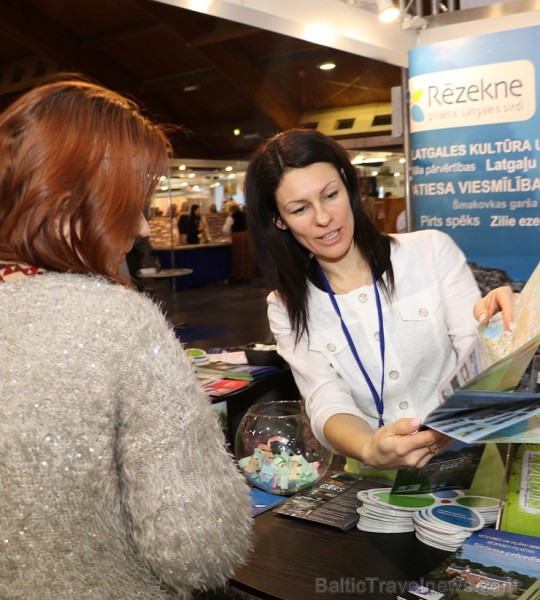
[
  {"x": 78, "y": 164},
  {"x": 282, "y": 260},
  {"x": 193, "y": 210}
]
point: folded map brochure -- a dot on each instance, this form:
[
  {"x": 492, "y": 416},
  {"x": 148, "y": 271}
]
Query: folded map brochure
[
  {"x": 233, "y": 371},
  {"x": 489, "y": 564},
  {"x": 477, "y": 401},
  {"x": 332, "y": 501},
  {"x": 521, "y": 513}
]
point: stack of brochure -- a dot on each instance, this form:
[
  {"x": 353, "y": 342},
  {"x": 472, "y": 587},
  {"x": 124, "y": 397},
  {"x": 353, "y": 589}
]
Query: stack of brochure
[
  {"x": 443, "y": 519},
  {"x": 446, "y": 527}
]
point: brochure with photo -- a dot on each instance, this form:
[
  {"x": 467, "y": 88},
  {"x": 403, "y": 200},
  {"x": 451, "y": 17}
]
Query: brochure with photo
[
  {"x": 332, "y": 501},
  {"x": 489, "y": 564},
  {"x": 454, "y": 468}
]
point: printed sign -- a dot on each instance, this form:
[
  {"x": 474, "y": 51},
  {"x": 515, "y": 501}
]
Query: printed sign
[{"x": 475, "y": 145}]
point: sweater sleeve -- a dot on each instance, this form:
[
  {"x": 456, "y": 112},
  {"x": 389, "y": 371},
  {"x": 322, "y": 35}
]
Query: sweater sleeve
[{"x": 186, "y": 503}]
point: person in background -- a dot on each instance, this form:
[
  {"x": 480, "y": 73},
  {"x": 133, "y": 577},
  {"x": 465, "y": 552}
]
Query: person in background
[
  {"x": 115, "y": 481},
  {"x": 369, "y": 323},
  {"x": 243, "y": 267},
  {"x": 182, "y": 223},
  {"x": 196, "y": 226},
  {"x": 236, "y": 219},
  {"x": 193, "y": 224}
]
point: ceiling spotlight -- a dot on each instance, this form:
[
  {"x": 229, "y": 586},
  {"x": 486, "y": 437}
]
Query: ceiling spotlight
[
  {"x": 327, "y": 66},
  {"x": 388, "y": 12}
]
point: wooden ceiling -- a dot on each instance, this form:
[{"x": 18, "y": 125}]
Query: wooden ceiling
[{"x": 209, "y": 75}]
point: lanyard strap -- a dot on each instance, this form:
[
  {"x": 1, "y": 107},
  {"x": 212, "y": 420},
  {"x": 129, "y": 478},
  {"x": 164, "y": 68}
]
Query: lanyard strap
[{"x": 377, "y": 398}]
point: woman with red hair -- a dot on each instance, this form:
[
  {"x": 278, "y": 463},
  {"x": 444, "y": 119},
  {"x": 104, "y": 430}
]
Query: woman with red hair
[{"x": 114, "y": 478}]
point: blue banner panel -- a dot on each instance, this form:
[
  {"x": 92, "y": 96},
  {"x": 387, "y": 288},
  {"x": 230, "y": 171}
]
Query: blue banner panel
[{"x": 475, "y": 141}]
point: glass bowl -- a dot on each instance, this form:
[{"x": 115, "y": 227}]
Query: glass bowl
[{"x": 276, "y": 449}]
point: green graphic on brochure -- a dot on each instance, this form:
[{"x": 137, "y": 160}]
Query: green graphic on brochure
[{"x": 522, "y": 504}]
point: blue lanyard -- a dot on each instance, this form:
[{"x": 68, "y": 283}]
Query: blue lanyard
[{"x": 377, "y": 398}]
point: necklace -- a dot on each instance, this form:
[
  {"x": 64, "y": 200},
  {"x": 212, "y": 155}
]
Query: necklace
[{"x": 377, "y": 397}]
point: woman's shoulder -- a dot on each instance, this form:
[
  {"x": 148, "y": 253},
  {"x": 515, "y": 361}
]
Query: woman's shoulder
[
  {"x": 424, "y": 240},
  {"x": 422, "y": 236},
  {"x": 90, "y": 294}
]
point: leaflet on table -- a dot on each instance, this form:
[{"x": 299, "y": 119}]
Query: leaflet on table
[
  {"x": 217, "y": 386},
  {"x": 233, "y": 371},
  {"x": 489, "y": 564},
  {"x": 262, "y": 501},
  {"x": 332, "y": 501}
]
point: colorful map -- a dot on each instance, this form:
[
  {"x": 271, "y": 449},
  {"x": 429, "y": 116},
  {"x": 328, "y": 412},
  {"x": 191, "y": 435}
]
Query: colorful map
[{"x": 495, "y": 342}]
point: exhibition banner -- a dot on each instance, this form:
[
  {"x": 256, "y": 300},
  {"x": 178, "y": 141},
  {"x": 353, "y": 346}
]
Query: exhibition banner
[{"x": 475, "y": 144}]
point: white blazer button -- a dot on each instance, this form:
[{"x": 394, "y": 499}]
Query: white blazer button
[
  {"x": 331, "y": 348},
  {"x": 362, "y": 298},
  {"x": 423, "y": 312},
  {"x": 376, "y": 335},
  {"x": 404, "y": 405},
  {"x": 393, "y": 374}
]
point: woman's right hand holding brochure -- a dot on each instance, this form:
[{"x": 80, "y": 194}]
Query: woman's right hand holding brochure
[{"x": 499, "y": 299}]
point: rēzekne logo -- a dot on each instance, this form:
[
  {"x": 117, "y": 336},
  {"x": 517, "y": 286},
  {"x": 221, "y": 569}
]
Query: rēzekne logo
[{"x": 417, "y": 114}]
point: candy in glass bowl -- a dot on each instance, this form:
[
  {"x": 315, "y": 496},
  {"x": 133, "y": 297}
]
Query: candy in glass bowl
[{"x": 276, "y": 449}]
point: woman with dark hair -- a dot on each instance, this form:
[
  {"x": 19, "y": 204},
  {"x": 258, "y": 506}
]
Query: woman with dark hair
[
  {"x": 369, "y": 323},
  {"x": 114, "y": 479},
  {"x": 194, "y": 225}
]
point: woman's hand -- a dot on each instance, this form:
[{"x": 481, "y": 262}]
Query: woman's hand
[
  {"x": 402, "y": 444},
  {"x": 393, "y": 446},
  {"x": 499, "y": 299}
]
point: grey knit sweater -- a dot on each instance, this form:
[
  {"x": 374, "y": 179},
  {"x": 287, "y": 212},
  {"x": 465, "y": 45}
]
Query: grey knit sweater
[{"x": 114, "y": 479}]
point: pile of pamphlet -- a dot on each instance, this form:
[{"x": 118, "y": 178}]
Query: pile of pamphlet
[{"x": 442, "y": 519}]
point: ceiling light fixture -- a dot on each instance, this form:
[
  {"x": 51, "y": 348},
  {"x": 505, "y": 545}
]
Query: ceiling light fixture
[
  {"x": 327, "y": 66},
  {"x": 388, "y": 12}
]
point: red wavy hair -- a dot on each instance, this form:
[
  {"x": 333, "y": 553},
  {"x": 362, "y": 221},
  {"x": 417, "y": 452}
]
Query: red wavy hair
[{"x": 78, "y": 164}]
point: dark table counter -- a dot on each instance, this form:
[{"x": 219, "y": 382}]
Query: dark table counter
[{"x": 298, "y": 560}]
